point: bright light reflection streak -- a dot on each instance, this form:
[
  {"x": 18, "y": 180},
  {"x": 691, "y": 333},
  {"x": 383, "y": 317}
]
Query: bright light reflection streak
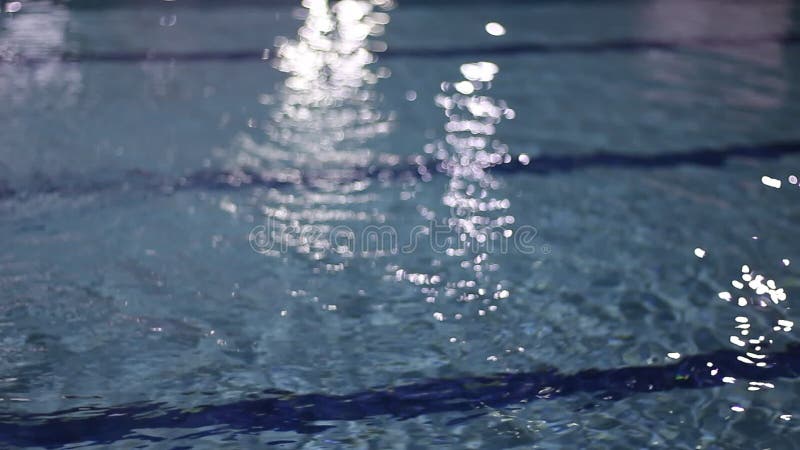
[
  {"x": 478, "y": 220},
  {"x": 323, "y": 118}
]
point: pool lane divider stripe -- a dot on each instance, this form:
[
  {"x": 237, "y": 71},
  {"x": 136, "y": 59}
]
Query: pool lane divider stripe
[
  {"x": 511, "y": 49},
  {"x": 223, "y": 179},
  {"x": 311, "y": 413}
]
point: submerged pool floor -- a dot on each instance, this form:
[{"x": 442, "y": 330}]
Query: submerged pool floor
[{"x": 376, "y": 225}]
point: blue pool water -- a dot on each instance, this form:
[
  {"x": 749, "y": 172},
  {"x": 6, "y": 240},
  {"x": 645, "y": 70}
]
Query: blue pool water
[{"x": 367, "y": 224}]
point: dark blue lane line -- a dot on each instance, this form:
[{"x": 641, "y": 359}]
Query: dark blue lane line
[
  {"x": 704, "y": 157},
  {"x": 621, "y": 45},
  {"x": 220, "y": 179},
  {"x": 287, "y": 411},
  {"x": 511, "y": 49}
]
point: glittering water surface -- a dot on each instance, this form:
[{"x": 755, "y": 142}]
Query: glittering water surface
[{"x": 203, "y": 205}]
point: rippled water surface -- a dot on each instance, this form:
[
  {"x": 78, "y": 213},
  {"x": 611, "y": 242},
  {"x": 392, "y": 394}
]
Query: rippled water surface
[{"x": 344, "y": 224}]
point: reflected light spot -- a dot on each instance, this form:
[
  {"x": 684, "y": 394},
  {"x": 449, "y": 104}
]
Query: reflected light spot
[
  {"x": 699, "y": 252},
  {"x": 737, "y": 408},
  {"x": 464, "y": 87},
  {"x": 674, "y": 355},
  {"x": 786, "y": 324},
  {"x": 228, "y": 206},
  {"x": 495, "y": 29},
  {"x": 785, "y": 261},
  {"x": 771, "y": 182},
  {"x": 13, "y": 7},
  {"x": 479, "y": 71}
]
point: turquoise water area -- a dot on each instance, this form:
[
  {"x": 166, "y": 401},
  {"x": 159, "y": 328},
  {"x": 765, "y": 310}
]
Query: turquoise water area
[{"x": 204, "y": 204}]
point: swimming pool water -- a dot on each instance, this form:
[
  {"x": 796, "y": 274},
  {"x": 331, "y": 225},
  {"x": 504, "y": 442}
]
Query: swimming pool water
[{"x": 320, "y": 225}]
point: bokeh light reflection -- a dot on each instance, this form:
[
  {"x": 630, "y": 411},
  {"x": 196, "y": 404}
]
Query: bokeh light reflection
[
  {"x": 478, "y": 217},
  {"x": 323, "y": 118}
]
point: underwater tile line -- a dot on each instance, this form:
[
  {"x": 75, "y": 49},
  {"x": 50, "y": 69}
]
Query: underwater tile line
[
  {"x": 542, "y": 165},
  {"x": 511, "y": 49},
  {"x": 307, "y": 413}
]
